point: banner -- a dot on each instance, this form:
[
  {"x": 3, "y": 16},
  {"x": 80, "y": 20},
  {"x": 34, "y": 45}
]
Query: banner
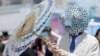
[{"x": 14, "y": 47}]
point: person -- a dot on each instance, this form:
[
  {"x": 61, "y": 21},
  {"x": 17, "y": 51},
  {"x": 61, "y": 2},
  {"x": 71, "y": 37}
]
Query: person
[
  {"x": 75, "y": 42},
  {"x": 97, "y": 35},
  {"x": 5, "y": 36},
  {"x": 39, "y": 46}
]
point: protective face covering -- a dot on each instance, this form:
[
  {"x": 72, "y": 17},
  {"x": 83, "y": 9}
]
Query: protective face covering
[{"x": 75, "y": 19}]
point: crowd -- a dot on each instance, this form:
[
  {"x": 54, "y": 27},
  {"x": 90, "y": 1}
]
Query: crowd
[
  {"x": 37, "y": 47},
  {"x": 74, "y": 42}
]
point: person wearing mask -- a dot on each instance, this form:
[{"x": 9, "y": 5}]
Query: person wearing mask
[{"x": 75, "y": 42}]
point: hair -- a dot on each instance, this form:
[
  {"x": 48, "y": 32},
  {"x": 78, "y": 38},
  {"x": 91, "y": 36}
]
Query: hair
[
  {"x": 2, "y": 46},
  {"x": 38, "y": 41},
  {"x": 5, "y": 33},
  {"x": 48, "y": 30},
  {"x": 97, "y": 33}
]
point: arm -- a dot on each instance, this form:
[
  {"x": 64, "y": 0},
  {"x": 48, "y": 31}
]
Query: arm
[
  {"x": 65, "y": 53},
  {"x": 57, "y": 51},
  {"x": 94, "y": 50}
]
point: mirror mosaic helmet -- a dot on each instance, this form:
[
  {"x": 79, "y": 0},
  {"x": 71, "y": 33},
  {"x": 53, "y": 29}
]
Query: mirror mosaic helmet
[{"x": 75, "y": 19}]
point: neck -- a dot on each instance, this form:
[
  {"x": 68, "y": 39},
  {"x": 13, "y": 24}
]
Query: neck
[{"x": 78, "y": 34}]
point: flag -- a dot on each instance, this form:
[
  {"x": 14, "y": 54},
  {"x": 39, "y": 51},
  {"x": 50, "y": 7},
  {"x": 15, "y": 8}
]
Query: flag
[{"x": 14, "y": 47}]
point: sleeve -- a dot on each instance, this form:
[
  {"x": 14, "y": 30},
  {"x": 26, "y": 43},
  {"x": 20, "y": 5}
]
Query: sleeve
[
  {"x": 70, "y": 54},
  {"x": 94, "y": 50},
  {"x": 65, "y": 53}
]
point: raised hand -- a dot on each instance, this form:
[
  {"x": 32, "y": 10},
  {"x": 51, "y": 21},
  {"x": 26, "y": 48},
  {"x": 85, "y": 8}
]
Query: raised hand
[{"x": 56, "y": 50}]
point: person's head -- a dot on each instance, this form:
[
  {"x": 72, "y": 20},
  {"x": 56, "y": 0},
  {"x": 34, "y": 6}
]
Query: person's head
[
  {"x": 5, "y": 35},
  {"x": 75, "y": 19},
  {"x": 97, "y": 35},
  {"x": 38, "y": 44}
]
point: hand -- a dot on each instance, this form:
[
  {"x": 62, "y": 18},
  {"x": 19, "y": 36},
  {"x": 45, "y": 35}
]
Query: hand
[
  {"x": 53, "y": 47},
  {"x": 55, "y": 50}
]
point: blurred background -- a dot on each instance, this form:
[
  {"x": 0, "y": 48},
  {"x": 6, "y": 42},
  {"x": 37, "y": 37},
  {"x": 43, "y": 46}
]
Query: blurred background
[{"x": 12, "y": 12}]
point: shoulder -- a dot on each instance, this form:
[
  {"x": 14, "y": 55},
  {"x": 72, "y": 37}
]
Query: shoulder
[
  {"x": 92, "y": 43},
  {"x": 91, "y": 40}
]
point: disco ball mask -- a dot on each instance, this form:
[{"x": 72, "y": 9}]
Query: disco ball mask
[{"x": 75, "y": 19}]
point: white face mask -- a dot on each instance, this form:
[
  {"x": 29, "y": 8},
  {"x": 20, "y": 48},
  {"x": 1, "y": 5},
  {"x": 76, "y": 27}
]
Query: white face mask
[{"x": 75, "y": 19}]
